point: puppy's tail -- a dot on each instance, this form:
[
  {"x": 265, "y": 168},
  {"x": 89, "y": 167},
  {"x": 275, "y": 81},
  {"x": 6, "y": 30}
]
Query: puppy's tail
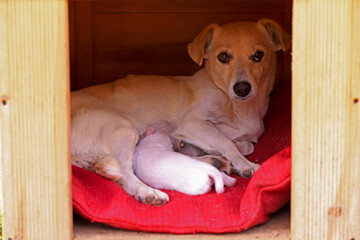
[
  {"x": 221, "y": 179},
  {"x": 217, "y": 178},
  {"x": 228, "y": 181}
]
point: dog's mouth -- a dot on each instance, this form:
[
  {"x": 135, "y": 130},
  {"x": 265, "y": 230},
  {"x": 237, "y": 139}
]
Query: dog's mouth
[{"x": 242, "y": 90}]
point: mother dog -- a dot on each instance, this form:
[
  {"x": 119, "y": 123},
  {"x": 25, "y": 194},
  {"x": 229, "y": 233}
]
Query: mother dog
[{"x": 219, "y": 109}]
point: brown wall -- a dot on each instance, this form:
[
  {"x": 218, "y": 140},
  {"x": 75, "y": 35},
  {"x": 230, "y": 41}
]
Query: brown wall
[{"x": 110, "y": 39}]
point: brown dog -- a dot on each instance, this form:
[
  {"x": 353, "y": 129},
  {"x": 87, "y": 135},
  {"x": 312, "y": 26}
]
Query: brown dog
[{"x": 219, "y": 109}]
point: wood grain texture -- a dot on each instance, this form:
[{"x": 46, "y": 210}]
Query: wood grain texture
[
  {"x": 326, "y": 120},
  {"x": 276, "y": 228},
  {"x": 152, "y": 41},
  {"x": 173, "y": 6},
  {"x": 34, "y": 72}
]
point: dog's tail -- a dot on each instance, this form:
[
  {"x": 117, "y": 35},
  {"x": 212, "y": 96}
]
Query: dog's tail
[{"x": 221, "y": 179}]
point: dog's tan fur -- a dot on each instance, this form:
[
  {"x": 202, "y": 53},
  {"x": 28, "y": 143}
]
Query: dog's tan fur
[{"x": 106, "y": 119}]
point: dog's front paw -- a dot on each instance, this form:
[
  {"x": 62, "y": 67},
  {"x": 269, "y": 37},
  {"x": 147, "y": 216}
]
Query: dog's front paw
[
  {"x": 151, "y": 196},
  {"x": 248, "y": 171}
]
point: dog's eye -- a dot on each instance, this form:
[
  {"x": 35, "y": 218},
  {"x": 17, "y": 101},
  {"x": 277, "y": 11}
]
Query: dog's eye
[
  {"x": 258, "y": 56},
  {"x": 224, "y": 57}
]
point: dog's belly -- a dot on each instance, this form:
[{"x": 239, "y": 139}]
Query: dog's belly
[{"x": 85, "y": 161}]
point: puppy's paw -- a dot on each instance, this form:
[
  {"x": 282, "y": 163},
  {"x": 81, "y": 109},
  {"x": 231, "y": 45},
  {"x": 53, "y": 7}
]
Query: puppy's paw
[
  {"x": 244, "y": 147},
  {"x": 151, "y": 196}
]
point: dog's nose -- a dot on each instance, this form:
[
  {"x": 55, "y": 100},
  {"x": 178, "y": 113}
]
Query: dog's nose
[{"x": 242, "y": 89}]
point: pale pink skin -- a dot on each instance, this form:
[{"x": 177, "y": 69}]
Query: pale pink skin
[{"x": 157, "y": 165}]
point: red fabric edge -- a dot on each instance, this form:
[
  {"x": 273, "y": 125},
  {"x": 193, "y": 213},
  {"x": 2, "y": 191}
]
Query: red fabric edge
[{"x": 279, "y": 193}]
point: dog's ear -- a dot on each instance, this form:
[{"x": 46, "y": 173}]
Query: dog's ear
[
  {"x": 197, "y": 48},
  {"x": 279, "y": 37}
]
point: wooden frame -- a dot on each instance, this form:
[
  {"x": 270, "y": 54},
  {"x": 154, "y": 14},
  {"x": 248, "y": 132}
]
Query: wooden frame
[
  {"x": 34, "y": 78},
  {"x": 34, "y": 91},
  {"x": 326, "y": 120}
]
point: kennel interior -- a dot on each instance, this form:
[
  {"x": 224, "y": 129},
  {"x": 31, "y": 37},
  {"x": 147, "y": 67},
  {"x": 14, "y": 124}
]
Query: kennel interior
[{"x": 109, "y": 39}]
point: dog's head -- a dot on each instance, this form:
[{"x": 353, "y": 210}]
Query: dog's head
[{"x": 240, "y": 57}]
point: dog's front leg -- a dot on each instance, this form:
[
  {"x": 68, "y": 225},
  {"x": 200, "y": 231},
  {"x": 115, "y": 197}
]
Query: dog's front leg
[
  {"x": 206, "y": 136},
  {"x": 219, "y": 162},
  {"x": 244, "y": 147}
]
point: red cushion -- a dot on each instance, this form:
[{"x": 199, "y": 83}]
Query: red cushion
[{"x": 248, "y": 203}]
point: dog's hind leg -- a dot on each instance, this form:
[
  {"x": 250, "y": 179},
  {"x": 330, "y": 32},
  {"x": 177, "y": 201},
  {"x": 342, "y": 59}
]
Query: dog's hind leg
[
  {"x": 104, "y": 142},
  {"x": 119, "y": 145},
  {"x": 109, "y": 167}
]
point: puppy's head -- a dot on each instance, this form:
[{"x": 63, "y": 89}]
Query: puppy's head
[
  {"x": 153, "y": 136},
  {"x": 240, "y": 57}
]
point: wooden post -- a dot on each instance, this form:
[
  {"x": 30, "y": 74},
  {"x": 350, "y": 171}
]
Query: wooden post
[
  {"x": 326, "y": 120},
  {"x": 34, "y": 108}
]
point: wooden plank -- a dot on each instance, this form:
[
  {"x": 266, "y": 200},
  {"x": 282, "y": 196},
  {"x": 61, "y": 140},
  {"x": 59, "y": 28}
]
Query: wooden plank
[
  {"x": 109, "y": 32},
  {"x": 326, "y": 120},
  {"x": 153, "y": 27},
  {"x": 277, "y": 227},
  {"x": 4, "y": 114},
  {"x": 82, "y": 28},
  {"x": 34, "y": 72},
  {"x": 153, "y": 43},
  {"x": 202, "y": 6}
]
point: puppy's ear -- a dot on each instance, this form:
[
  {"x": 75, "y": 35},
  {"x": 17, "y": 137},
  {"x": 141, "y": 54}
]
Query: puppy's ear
[
  {"x": 197, "y": 48},
  {"x": 150, "y": 130},
  {"x": 279, "y": 37}
]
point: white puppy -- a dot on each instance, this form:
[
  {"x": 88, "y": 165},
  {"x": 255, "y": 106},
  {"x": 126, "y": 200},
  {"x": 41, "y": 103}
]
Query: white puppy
[{"x": 156, "y": 164}]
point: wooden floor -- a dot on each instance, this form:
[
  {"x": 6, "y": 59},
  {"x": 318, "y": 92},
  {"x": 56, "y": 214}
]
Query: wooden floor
[{"x": 278, "y": 227}]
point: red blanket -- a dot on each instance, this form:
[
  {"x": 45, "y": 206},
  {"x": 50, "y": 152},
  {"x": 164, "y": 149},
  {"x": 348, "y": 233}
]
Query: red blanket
[{"x": 248, "y": 203}]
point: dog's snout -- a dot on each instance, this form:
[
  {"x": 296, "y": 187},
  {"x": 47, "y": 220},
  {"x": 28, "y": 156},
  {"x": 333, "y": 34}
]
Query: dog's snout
[{"x": 242, "y": 89}]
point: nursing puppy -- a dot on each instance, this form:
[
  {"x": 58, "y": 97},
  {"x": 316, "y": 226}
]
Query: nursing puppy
[
  {"x": 156, "y": 164},
  {"x": 219, "y": 109},
  {"x": 183, "y": 147}
]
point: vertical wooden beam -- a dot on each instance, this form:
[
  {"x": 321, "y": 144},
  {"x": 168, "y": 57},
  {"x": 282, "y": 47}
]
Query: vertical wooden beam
[
  {"x": 34, "y": 91},
  {"x": 326, "y": 120},
  {"x": 3, "y": 88}
]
